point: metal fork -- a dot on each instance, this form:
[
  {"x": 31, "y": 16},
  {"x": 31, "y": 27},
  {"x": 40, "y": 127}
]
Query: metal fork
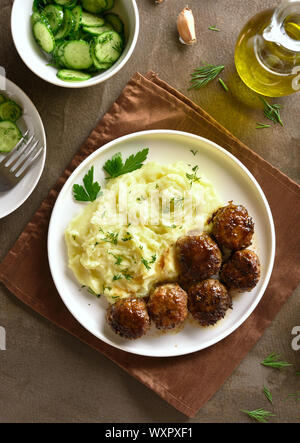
[{"x": 17, "y": 163}]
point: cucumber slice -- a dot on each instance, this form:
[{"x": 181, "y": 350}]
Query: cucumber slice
[
  {"x": 115, "y": 21},
  {"x": 97, "y": 30},
  {"x": 94, "y": 6},
  {"x": 110, "y": 4},
  {"x": 97, "y": 64},
  {"x": 91, "y": 20},
  {"x": 77, "y": 54},
  {"x": 107, "y": 47},
  {"x": 69, "y": 75},
  {"x": 66, "y": 3},
  {"x": 2, "y": 98},
  {"x": 10, "y": 134},
  {"x": 38, "y": 5},
  {"x": 9, "y": 110},
  {"x": 43, "y": 35},
  {"x": 77, "y": 12},
  {"x": 58, "y": 54},
  {"x": 55, "y": 15},
  {"x": 35, "y": 18},
  {"x": 67, "y": 26}
]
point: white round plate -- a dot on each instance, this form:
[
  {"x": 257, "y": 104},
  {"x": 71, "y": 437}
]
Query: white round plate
[
  {"x": 31, "y": 121},
  {"x": 232, "y": 181}
]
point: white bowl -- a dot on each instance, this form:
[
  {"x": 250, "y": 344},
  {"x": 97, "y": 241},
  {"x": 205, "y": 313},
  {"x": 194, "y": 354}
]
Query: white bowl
[{"x": 36, "y": 60}]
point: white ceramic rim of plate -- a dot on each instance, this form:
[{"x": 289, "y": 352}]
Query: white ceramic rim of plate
[
  {"x": 100, "y": 78},
  {"x": 42, "y": 156},
  {"x": 258, "y": 188}
]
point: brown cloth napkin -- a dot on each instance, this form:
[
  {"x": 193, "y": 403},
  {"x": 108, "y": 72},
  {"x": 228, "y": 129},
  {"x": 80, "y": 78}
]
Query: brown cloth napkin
[{"x": 186, "y": 382}]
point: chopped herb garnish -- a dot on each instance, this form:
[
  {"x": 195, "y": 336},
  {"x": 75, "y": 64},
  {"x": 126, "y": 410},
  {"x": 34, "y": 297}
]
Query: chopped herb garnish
[
  {"x": 90, "y": 190},
  {"x": 272, "y": 112},
  {"x": 153, "y": 258},
  {"x": 262, "y": 126},
  {"x": 203, "y": 75},
  {"x": 193, "y": 152},
  {"x": 214, "y": 28},
  {"x": 193, "y": 177},
  {"x": 260, "y": 415},
  {"x": 146, "y": 264},
  {"x": 127, "y": 276},
  {"x": 118, "y": 258},
  {"x": 268, "y": 394},
  {"x": 104, "y": 288},
  {"x": 90, "y": 291},
  {"x": 110, "y": 237},
  {"x": 273, "y": 361},
  {"x": 223, "y": 85},
  {"x": 128, "y": 237},
  {"x": 173, "y": 226},
  {"x": 117, "y": 277},
  {"x": 115, "y": 167}
]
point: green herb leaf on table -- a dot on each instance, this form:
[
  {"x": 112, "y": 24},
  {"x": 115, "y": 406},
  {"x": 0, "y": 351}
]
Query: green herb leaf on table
[
  {"x": 273, "y": 361},
  {"x": 90, "y": 190},
  {"x": 203, "y": 75},
  {"x": 214, "y": 28},
  {"x": 272, "y": 112},
  {"x": 262, "y": 126},
  {"x": 260, "y": 415},
  {"x": 115, "y": 167},
  {"x": 268, "y": 394},
  {"x": 225, "y": 87}
]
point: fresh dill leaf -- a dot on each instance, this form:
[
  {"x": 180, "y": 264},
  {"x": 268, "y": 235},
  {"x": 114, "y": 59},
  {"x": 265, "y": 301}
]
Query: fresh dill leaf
[
  {"x": 111, "y": 237},
  {"x": 193, "y": 178},
  {"x": 272, "y": 112},
  {"x": 268, "y": 394},
  {"x": 260, "y": 415},
  {"x": 117, "y": 277},
  {"x": 214, "y": 28},
  {"x": 273, "y": 361},
  {"x": 146, "y": 264},
  {"x": 126, "y": 275},
  {"x": 261, "y": 126},
  {"x": 118, "y": 258},
  {"x": 296, "y": 396},
  {"x": 153, "y": 259},
  {"x": 128, "y": 237},
  {"x": 90, "y": 291},
  {"x": 225, "y": 87},
  {"x": 194, "y": 152},
  {"x": 203, "y": 75},
  {"x": 90, "y": 190},
  {"x": 115, "y": 166}
]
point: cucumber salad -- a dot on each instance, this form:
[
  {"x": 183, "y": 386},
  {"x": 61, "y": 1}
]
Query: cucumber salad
[
  {"x": 10, "y": 134},
  {"x": 82, "y": 37}
]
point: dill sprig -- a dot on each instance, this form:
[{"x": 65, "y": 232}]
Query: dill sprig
[
  {"x": 272, "y": 112},
  {"x": 268, "y": 394},
  {"x": 214, "y": 28},
  {"x": 260, "y": 415},
  {"x": 203, "y": 75},
  {"x": 223, "y": 84},
  {"x": 273, "y": 361},
  {"x": 262, "y": 126}
]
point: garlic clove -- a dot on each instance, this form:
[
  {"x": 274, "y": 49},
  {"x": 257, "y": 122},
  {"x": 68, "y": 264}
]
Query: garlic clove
[{"x": 186, "y": 27}]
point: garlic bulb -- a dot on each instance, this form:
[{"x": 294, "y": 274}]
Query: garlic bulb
[{"x": 186, "y": 27}]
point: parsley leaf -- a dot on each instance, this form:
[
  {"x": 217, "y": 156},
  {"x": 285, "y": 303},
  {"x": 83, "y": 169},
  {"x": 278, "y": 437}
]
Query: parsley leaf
[
  {"x": 115, "y": 167},
  {"x": 89, "y": 192}
]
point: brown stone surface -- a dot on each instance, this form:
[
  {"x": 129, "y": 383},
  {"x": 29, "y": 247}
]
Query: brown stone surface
[{"x": 47, "y": 375}]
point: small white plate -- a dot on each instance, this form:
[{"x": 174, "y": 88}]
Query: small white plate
[
  {"x": 232, "y": 181},
  {"x": 31, "y": 121}
]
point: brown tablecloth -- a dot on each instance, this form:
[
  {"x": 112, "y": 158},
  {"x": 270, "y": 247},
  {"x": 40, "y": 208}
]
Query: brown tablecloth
[{"x": 186, "y": 382}]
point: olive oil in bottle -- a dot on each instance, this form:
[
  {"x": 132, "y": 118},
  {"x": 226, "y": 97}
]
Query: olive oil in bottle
[{"x": 267, "y": 53}]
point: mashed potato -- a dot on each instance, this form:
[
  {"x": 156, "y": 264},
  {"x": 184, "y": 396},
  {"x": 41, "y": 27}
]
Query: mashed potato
[{"x": 122, "y": 243}]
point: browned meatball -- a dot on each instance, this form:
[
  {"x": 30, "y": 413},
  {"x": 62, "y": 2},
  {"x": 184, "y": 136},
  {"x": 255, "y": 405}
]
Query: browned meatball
[
  {"x": 198, "y": 257},
  {"x": 129, "y": 317},
  {"x": 232, "y": 227},
  {"x": 208, "y": 301},
  {"x": 242, "y": 271},
  {"x": 167, "y": 306}
]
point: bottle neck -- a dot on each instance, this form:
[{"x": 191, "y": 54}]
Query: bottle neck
[{"x": 284, "y": 28}]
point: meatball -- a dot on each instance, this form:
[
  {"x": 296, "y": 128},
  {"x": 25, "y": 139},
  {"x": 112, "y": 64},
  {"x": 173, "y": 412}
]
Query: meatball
[
  {"x": 167, "y": 306},
  {"x": 129, "y": 317},
  {"x": 198, "y": 257},
  {"x": 233, "y": 228},
  {"x": 208, "y": 301},
  {"x": 242, "y": 271}
]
